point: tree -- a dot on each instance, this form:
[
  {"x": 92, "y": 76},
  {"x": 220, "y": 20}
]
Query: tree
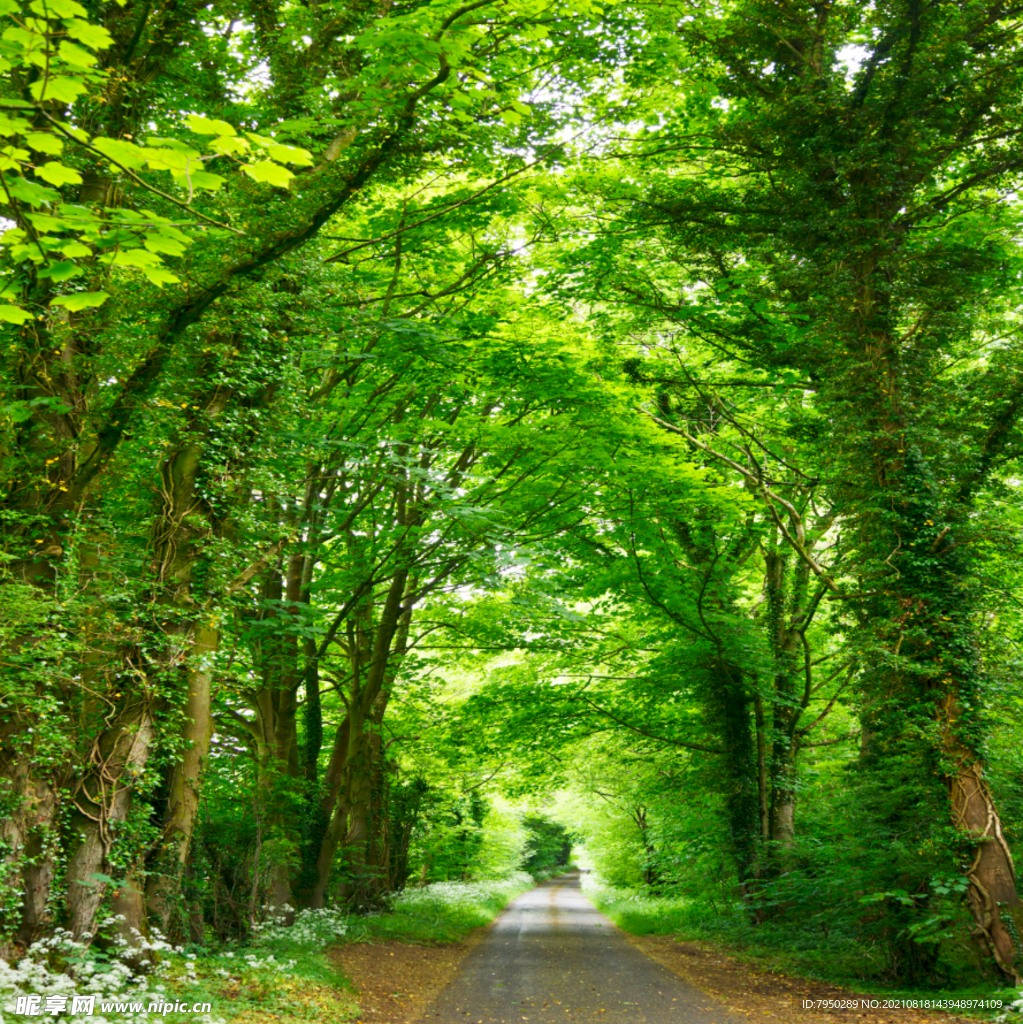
[
  {"x": 370, "y": 98},
  {"x": 825, "y": 204}
]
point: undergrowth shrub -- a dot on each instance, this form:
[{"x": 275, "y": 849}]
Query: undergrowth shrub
[{"x": 58, "y": 968}]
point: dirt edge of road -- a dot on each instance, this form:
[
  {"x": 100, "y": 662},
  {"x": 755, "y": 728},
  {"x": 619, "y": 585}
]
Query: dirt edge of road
[
  {"x": 768, "y": 997},
  {"x": 396, "y": 981}
]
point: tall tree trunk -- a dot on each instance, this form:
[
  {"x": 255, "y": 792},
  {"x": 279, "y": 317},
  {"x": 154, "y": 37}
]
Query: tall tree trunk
[
  {"x": 276, "y": 724},
  {"x": 38, "y": 685},
  {"x": 733, "y": 706},
  {"x": 367, "y": 845},
  {"x": 180, "y": 532},
  {"x": 28, "y": 839},
  {"x": 931, "y": 680},
  {"x": 650, "y": 873},
  {"x": 789, "y": 613},
  {"x": 335, "y": 806},
  {"x": 181, "y": 805}
]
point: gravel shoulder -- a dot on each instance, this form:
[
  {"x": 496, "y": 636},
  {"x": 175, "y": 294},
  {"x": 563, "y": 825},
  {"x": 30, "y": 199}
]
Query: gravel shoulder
[
  {"x": 767, "y": 997},
  {"x": 396, "y": 981}
]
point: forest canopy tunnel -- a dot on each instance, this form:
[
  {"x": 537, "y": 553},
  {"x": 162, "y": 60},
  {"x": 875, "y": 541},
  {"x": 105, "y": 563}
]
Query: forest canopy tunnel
[{"x": 416, "y": 420}]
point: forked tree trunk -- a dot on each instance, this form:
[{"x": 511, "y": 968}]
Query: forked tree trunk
[{"x": 374, "y": 654}]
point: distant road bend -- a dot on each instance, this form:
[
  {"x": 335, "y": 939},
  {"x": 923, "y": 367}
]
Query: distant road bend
[{"x": 552, "y": 958}]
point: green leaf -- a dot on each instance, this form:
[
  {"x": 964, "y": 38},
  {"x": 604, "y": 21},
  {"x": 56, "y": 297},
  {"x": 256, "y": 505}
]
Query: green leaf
[
  {"x": 20, "y": 253},
  {"x": 62, "y": 271},
  {"x": 166, "y": 159},
  {"x": 176, "y": 145},
  {"x": 76, "y": 249},
  {"x": 57, "y": 87},
  {"x": 13, "y": 125},
  {"x": 148, "y": 262},
  {"x": 260, "y": 140},
  {"x": 43, "y": 222},
  {"x": 81, "y": 300},
  {"x": 30, "y": 42},
  {"x": 31, "y": 192},
  {"x": 58, "y": 9},
  {"x": 75, "y": 55},
  {"x": 98, "y": 878},
  {"x": 289, "y": 154},
  {"x": 166, "y": 227},
  {"x": 13, "y": 315},
  {"x": 74, "y": 131},
  {"x": 138, "y": 258},
  {"x": 125, "y": 153},
  {"x": 160, "y": 276},
  {"x": 164, "y": 244},
  {"x": 109, "y": 240},
  {"x": 44, "y": 142},
  {"x": 272, "y": 174},
  {"x": 230, "y": 145},
  {"x": 93, "y": 36},
  {"x": 20, "y": 412},
  {"x": 57, "y": 174},
  {"x": 200, "y": 179},
  {"x": 208, "y": 126}
]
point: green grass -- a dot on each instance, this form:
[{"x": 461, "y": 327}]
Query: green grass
[{"x": 443, "y": 912}]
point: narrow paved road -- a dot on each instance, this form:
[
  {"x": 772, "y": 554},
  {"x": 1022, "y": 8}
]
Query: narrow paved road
[{"x": 551, "y": 958}]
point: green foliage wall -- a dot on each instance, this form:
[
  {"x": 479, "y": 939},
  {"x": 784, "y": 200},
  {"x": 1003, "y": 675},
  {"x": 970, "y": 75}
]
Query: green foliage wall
[{"x": 548, "y": 845}]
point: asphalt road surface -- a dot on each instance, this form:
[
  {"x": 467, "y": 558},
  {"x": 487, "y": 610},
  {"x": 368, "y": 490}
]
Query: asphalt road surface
[{"x": 552, "y": 958}]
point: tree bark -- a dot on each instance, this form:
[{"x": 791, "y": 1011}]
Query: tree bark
[
  {"x": 182, "y": 800},
  {"x": 103, "y": 801},
  {"x": 993, "y": 894},
  {"x": 28, "y": 838},
  {"x": 923, "y": 617}
]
